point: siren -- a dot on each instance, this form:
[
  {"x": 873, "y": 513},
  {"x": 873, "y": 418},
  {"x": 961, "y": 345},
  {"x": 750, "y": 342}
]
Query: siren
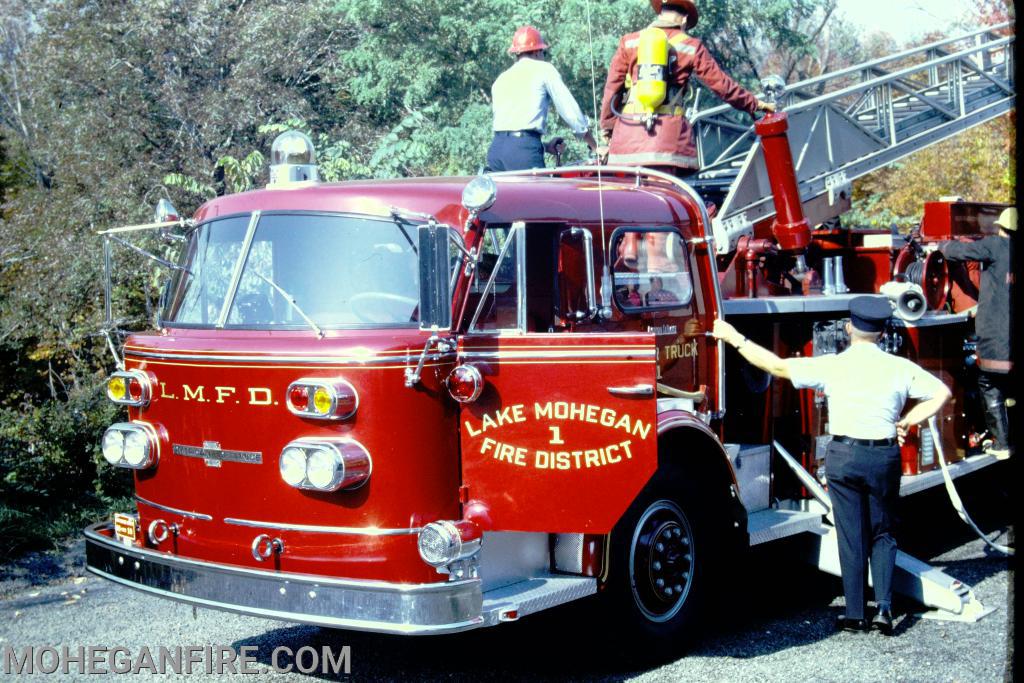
[
  {"x": 292, "y": 160},
  {"x": 907, "y": 299}
]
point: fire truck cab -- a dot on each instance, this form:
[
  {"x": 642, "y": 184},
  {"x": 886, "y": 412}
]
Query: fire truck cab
[{"x": 428, "y": 405}]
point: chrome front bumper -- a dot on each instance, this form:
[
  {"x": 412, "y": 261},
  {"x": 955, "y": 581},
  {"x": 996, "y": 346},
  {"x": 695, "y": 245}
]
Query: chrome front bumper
[{"x": 410, "y": 609}]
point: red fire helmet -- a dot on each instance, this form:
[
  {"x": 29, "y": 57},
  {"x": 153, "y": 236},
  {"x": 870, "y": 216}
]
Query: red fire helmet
[
  {"x": 686, "y": 5},
  {"x": 526, "y": 39}
]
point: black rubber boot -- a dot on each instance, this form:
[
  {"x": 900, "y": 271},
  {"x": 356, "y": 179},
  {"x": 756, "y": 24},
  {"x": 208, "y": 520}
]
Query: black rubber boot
[{"x": 995, "y": 410}]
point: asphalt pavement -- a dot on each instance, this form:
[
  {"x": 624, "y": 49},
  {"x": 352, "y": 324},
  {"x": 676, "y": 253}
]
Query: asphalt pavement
[{"x": 776, "y": 625}]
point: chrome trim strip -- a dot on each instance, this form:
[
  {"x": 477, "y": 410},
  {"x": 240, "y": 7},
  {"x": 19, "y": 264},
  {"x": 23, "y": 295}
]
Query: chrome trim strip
[
  {"x": 217, "y": 454},
  {"x": 177, "y": 511},
  {"x": 527, "y": 354},
  {"x": 314, "y": 529},
  {"x": 402, "y": 361},
  {"x": 409, "y": 609},
  {"x": 520, "y": 229}
]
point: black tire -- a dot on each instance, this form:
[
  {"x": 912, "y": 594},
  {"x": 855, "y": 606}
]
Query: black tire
[{"x": 666, "y": 555}]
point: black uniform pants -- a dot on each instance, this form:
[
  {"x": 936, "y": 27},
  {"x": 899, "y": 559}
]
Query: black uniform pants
[
  {"x": 864, "y": 486},
  {"x": 515, "y": 152}
]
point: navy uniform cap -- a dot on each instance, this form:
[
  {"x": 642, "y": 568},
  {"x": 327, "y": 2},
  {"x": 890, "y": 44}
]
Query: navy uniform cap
[{"x": 869, "y": 313}]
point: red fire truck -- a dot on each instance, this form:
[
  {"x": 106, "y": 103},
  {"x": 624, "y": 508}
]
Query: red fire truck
[{"x": 430, "y": 405}]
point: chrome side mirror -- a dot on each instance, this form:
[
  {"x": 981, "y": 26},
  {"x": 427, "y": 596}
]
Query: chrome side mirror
[
  {"x": 165, "y": 212},
  {"x": 435, "y": 278}
]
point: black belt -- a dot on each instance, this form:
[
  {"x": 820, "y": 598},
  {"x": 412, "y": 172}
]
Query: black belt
[
  {"x": 518, "y": 133},
  {"x": 870, "y": 443}
]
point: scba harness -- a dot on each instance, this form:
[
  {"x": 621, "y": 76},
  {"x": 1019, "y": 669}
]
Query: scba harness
[{"x": 649, "y": 93}]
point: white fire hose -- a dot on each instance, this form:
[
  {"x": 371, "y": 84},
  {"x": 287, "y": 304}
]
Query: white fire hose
[{"x": 954, "y": 497}]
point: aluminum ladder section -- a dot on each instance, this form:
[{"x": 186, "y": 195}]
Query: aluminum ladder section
[{"x": 847, "y": 123}]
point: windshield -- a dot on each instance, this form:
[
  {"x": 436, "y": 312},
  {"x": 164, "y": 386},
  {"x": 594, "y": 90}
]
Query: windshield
[{"x": 340, "y": 270}]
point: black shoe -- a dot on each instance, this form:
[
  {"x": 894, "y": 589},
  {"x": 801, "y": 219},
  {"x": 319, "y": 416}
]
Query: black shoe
[
  {"x": 882, "y": 622},
  {"x": 844, "y": 623}
]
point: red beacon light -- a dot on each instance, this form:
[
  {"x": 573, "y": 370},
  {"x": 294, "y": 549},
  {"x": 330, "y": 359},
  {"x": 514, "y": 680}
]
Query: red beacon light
[
  {"x": 465, "y": 383},
  {"x": 322, "y": 399}
]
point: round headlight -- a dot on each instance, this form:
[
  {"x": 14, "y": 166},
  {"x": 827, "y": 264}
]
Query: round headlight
[
  {"x": 293, "y": 466},
  {"x": 136, "y": 448},
  {"x": 439, "y": 543},
  {"x": 113, "y": 446},
  {"x": 479, "y": 194},
  {"x": 322, "y": 469}
]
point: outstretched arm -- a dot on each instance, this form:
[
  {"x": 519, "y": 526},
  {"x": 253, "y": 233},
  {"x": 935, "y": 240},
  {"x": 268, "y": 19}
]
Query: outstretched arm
[
  {"x": 711, "y": 74},
  {"x": 974, "y": 250},
  {"x": 756, "y": 355}
]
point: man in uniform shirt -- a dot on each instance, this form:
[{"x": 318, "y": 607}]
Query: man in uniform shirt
[
  {"x": 992, "y": 323},
  {"x": 520, "y": 98},
  {"x": 866, "y": 390}
]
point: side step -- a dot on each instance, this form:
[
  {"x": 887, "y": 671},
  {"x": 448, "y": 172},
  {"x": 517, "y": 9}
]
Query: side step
[
  {"x": 511, "y": 602},
  {"x": 772, "y": 524}
]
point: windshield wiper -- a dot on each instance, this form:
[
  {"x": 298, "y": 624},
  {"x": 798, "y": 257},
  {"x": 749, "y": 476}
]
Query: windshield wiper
[{"x": 291, "y": 300}]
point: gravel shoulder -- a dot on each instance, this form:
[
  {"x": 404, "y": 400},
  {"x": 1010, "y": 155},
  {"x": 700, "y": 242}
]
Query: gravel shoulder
[{"x": 775, "y": 626}]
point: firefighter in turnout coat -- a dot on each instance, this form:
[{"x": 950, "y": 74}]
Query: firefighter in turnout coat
[
  {"x": 660, "y": 136},
  {"x": 993, "y": 322}
]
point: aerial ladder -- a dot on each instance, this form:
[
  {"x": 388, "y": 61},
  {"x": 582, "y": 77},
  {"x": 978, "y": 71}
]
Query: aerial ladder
[{"x": 848, "y": 123}]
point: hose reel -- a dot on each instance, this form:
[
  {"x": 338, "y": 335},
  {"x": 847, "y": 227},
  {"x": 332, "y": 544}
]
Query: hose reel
[{"x": 929, "y": 271}]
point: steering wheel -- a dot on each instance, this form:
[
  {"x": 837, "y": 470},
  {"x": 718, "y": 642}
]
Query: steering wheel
[{"x": 382, "y": 307}]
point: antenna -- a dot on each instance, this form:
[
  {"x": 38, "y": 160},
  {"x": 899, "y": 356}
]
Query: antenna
[{"x": 605, "y": 274}]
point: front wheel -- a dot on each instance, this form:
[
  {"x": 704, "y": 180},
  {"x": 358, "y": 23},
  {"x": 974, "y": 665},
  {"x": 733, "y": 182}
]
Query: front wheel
[
  {"x": 665, "y": 554},
  {"x": 662, "y": 561}
]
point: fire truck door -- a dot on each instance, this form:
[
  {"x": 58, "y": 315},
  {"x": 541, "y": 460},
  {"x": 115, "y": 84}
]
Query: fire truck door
[
  {"x": 659, "y": 287},
  {"x": 563, "y": 435}
]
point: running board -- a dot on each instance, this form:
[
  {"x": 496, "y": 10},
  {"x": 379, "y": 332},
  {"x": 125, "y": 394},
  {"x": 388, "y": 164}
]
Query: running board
[
  {"x": 919, "y": 482},
  {"x": 772, "y": 524},
  {"x": 517, "y": 600},
  {"x": 951, "y": 599}
]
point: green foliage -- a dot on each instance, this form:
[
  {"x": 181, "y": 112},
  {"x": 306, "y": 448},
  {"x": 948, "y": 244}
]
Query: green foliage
[
  {"x": 976, "y": 165},
  {"x": 51, "y": 471}
]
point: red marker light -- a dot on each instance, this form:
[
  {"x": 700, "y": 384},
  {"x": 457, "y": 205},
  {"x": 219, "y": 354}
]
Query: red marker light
[
  {"x": 135, "y": 389},
  {"x": 299, "y": 397},
  {"x": 465, "y": 383}
]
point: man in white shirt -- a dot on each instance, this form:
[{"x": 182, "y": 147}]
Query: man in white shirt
[
  {"x": 866, "y": 390},
  {"x": 520, "y": 98}
]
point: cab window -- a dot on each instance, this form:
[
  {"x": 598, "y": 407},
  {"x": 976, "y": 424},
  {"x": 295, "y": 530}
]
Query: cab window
[{"x": 651, "y": 270}]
